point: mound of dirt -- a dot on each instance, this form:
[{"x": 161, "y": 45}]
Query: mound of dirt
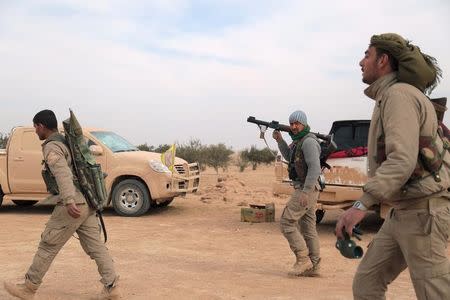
[{"x": 235, "y": 188}]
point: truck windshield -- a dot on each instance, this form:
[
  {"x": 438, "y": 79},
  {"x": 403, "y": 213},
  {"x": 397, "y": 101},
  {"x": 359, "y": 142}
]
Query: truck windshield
[{"x": 113, "y": 141}]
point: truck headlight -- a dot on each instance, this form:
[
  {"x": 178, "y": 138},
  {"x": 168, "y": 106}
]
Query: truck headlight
[{"x": 158, "y": 166}]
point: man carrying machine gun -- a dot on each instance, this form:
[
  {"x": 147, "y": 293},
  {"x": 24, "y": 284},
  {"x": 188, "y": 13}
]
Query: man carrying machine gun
[{"x": 298, "y": 221}]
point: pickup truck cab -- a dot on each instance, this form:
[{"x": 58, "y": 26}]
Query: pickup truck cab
[
  {"x": 136, "y": 180},
  {"x": 348, "y": 173}
]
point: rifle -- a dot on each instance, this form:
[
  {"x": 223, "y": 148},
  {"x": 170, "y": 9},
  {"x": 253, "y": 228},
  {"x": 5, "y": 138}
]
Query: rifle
[{"x": 327, "y": 145}]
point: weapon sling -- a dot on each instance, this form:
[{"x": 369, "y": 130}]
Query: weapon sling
[{"x": 102, "y": 224}]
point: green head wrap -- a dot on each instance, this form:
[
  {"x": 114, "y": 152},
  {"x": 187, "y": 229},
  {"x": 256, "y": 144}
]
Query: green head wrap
[{"x": 414, "y": 67}]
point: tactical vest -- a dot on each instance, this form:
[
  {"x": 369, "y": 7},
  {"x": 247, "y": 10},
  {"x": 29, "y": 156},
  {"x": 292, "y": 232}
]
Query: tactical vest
[
  {"x": 298, "y": 169},
  {"x": 47, "y": 175}
]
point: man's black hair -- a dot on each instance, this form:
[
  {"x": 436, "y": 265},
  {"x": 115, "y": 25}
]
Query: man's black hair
[{"x": 47, "y": 118}]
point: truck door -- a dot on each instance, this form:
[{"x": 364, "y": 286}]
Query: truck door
[
  {"x": 349, "y": 162},
  {"x": 25, "y": 162}
]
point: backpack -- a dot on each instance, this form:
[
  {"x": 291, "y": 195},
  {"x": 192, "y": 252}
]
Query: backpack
[{"x": 87, "y": 170}]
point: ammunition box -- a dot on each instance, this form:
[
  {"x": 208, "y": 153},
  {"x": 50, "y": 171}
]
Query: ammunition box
[{"x": 258, "y": 213}]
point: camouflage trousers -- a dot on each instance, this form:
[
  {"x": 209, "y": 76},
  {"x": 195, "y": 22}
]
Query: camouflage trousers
[
  {"x": 59, "y": 230},
  {"x": 298, "y": 225},
  {"x": 413, "y": 238}
]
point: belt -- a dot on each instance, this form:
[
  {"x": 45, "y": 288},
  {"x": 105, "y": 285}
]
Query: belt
[{"x": 427, "y": 203}]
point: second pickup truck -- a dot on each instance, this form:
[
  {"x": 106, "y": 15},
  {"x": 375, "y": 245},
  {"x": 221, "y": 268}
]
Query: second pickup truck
[{"x": 136, "y": 180}]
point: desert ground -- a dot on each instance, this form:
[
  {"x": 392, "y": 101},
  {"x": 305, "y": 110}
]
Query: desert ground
[{"x": 196, "y": 248}]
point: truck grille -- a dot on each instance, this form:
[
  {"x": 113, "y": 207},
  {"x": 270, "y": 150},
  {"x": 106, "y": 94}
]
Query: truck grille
[
  {"x": 189, "y": 179},
  {"x": 180, "y": 169}
]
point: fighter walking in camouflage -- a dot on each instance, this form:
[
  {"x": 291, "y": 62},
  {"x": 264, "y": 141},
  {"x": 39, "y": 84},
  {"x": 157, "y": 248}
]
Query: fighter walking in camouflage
[
  {"x": 70, "y": 215},
  {"x": 298, "y": 221}
]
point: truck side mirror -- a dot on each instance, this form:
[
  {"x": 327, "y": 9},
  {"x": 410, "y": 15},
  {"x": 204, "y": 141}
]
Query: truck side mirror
[{"x": 96, "y": 150}]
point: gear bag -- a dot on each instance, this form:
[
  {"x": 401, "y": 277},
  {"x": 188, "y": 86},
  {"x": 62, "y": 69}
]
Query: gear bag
[{"x": 88, "y": 172}]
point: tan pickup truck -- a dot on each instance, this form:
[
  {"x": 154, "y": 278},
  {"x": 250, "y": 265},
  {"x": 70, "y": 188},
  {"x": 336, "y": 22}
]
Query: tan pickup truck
[
  {"x": 136, "y": 180},
  {"x": 348, "y": 174}
]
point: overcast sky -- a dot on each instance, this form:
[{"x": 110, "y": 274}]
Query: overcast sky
[{"x": 169, "y": 70}]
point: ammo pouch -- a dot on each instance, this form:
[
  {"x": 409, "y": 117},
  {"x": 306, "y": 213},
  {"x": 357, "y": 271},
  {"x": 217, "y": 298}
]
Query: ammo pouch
[
  {"x": 430, "y": 159},
  {"x": 92, "y": 185},
  {"x": 292, "y": 173},
  {"x": 429, "y": 154},
  {"x": 97, "y": 179},
  {"x": 291, "y": 167},
  {"x": 50, "y": 181}
]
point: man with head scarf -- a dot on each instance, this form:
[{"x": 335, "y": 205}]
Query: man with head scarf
[
  {"x": 298, "y": 221},
  {"x": 408, "y": 170}
]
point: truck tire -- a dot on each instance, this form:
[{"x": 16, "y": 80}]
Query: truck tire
[
  {"x": 130, "y": 198},
  {"x": 319, "y": 215},
  {"x": 164, "y": 204},
  {"x": 24, "y": 202}
]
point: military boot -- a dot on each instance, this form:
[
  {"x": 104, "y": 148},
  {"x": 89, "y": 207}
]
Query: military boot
[
  {"x": 23, "y": 291},
  {"x": 302, "y": 264},
  {"x": 111, "y": 292},
  {"x": 314, "y": 271}
]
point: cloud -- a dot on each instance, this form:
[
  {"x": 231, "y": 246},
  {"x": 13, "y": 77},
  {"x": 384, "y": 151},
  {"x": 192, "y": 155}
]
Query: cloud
[{"x": 151, "y": 72}]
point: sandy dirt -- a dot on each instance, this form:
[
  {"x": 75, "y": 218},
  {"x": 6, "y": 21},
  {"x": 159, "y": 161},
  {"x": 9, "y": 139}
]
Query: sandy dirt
[{"x": 196, "y": 248}]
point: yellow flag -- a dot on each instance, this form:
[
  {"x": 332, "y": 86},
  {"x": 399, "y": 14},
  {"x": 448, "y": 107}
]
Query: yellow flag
[{"x": 168, "y": 157}]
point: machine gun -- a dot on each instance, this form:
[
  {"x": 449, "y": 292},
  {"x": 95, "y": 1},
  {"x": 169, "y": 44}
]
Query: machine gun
[{"x": 327, "y": 145}]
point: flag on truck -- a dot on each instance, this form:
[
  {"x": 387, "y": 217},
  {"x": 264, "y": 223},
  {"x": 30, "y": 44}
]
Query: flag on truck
[{"x": 168, "y": 157}]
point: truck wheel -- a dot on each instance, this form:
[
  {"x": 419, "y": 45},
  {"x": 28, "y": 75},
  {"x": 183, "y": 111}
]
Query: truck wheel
[
  {"x": 24, "y": 202},
  {"x": 130, "y": 198},
  {"x": 164, "y": 204},
  {"x": 319, "y": 215}
]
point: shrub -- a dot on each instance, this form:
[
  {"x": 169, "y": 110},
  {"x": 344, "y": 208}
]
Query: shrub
[
  {"x": 145, "y": 147},
  {"x": 160, "y": 149},
  {"x": 218, "y": 156},
  {"x": 3, "y": 140},
  {"x": 192, "y": 151},
  {"x": 256, "y": 157}
]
